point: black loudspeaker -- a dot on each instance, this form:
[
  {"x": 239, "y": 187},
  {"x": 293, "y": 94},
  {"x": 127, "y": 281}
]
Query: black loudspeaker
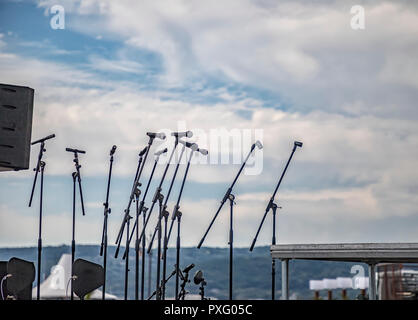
[
  {"x": 3, "y": 273},
  {"x": 88, "y": 277},
  {"x": 22, "y": 276},
  {"x": 16, "y": 108}
]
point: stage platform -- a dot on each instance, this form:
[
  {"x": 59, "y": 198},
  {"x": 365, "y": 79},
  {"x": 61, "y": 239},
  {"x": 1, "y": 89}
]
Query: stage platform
[{"x": 369, "y": 253}]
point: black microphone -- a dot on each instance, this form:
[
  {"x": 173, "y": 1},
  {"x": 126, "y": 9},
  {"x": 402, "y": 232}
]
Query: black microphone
[
  {"x": 143, "y": 151},
  {"x": 188, "y": 268},
  {"x": 187, "y": 134},
  {"x": 159, "y": 135},
  {"x": 74, "y": 150},
  {"x": 112, "y": 152},
  {"x": 298, "y": 144},
  {"x": 43, "y": 139}
]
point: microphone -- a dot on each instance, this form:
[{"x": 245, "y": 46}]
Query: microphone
[
  {"x": 202, "y": 151},
  {"x": 74, "y": 150},
  {"x": 187, "y": 134},
  {"x": 198, "y": 277},
  {"x": 298, "y": 144},
  {"x": 158, "y": 153},
  {"x": 188, "y": 268},
  {"x": 143, "y": 151},
  {"x": 190, "y": 145},
  {"x": 159, "y": 135},
  {"x": 113, "y": 150},
  {"x": 259, "y": 144},
  {"x": 43, "y": 139}
]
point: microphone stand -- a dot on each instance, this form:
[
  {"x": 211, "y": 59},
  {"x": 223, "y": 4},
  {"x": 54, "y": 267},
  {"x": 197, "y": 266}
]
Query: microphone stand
[
  {"x": 164, "y": 281},
  {"x": 107, "y": 210},
  {"x": 158, "y": 190},
  {"x": 76, "y": 177},
  {"x": 165, "y": 214},
  {"x": 140, "y": 209},
  {"x": 177, "y": 214},
  {"x": 135, "y": 186},
  {"x": 202, "y": 290},
  {"x": 226, "y": 197},
  {"x": 40, "y": 167},
  {"x": 185, "y": 280},
  {"x": 160, "y": 203},
  {"x": 127, "y": 256},
  {"x": 272, "y": 205},
  {"x": 168, "y": 195},
  {"x": 158, "y": 197},
  {"x": 143, "y": 209}
]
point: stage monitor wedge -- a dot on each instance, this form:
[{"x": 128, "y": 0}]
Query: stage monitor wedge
[
  {"x": 88, "y": 277},
  {"x": 16, "y": 109},
  {"x": 22, "y": 275}
]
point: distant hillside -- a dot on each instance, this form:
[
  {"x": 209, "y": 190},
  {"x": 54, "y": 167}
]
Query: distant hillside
[{"x": 252, "y": 271}]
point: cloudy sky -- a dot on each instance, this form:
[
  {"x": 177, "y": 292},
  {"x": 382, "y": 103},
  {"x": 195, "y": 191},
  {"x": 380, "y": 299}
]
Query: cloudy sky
[{"x": 277, "y": 70}]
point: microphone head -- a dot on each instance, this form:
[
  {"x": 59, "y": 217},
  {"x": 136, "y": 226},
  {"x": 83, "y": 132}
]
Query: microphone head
[
  {"x": 259, "y": 144},
  {"x": 198, "y": 277},
  {"x": 194, "y": 147},
  {"x": 143, "y": 151},
  {"x": 187, "y": 134},
  {"x": 158, "y": 153},
  {"x": 160, "y": 135},
  {"x": 298, "y": 144},
  {"x": 74, "y": 150},
  {"x": 190, "y": 145},
  {"x": 113, "y": 150},
  {"x": 203, "y": 151},
  {"x": 188, "y": 268}
]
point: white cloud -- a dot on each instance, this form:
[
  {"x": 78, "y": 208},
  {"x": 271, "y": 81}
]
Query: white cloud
[
  {"x": 352, "y": 170},
  {"x": 124, "y": 66},
  {"x": 305, "y": 52}
]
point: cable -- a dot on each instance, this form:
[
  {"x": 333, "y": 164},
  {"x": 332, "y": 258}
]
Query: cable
[
  {"x": 1, "y": 284},
  {"x": 66, "y": 289}
]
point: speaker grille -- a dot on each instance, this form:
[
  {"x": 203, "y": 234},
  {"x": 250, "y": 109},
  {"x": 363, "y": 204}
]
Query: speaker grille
[{"x": 16, "y": 109}]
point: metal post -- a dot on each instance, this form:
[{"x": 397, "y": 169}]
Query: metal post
[
  {"x": 372, "y": 281},
  {"x": 285, "y": 279}
]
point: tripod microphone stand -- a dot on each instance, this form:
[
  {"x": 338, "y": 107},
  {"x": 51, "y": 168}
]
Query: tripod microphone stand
[
  {"x": 272, "y": 205},
  {"x": 76, "y": 177},
  {"x": 231, "y": 198},
  {"x": 40, "y": 166},
  {"x": 177, "y": 214},
  {"x": 107, "y": 210}
]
